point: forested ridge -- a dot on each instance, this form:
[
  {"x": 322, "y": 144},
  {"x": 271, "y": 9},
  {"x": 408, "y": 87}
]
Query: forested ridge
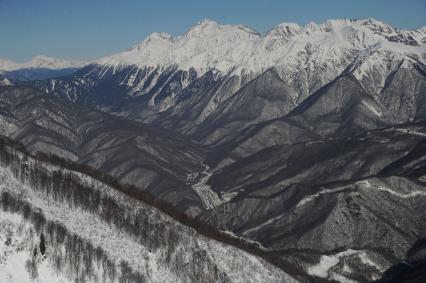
[{"x": 66, "y": 186}]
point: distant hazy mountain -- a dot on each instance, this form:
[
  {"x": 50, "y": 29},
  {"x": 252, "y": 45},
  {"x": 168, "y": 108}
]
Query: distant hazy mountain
[
  {"x": 40, "y": 61},
  {"x": 38, "y": 68}
]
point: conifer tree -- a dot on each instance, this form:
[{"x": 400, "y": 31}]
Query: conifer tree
[{"x": 42, "y": 245}]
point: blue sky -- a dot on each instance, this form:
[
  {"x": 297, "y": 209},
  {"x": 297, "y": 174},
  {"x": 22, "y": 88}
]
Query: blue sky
[{"x": 88, "y": 29}]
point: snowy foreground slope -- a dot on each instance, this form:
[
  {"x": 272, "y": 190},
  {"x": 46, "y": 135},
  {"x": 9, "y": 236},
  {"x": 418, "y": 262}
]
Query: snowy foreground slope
[
  {"x": 94, "y": 233},
  {"x": 17, "y": 243}
]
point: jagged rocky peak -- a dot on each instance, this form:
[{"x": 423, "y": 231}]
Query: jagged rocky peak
[
  {"x": 155, "y": 40},
  {"x": 392, "y": 34},
  {"x": 207, "y": 27},
  {"x": 204, "y": 26},
  {"x": 336, "y": 24},
  {"x": 311, "y": 27},
  {"x": 376, "y": 25},
  {"x": 370, "y": 23},
  {"x": 285, "y": 30},
  {"x": 159, "y": 36}
]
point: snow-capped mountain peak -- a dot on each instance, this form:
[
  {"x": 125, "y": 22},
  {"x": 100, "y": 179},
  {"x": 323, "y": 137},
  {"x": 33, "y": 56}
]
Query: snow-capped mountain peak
[
  {"x": 160, "y": 36},
  {"x": 154, "y": 39},
  {"x": 6, "y": 64},
  {"x": 43, "y": 61},
  {"x": 285, "y": 30},
  {"x": 311, "y": 27},
  {"x": 236, "y": 48},
  {"x": 205, "y": 25}
]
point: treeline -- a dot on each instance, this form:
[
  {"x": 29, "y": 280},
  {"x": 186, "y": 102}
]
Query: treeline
[{"x": 67, "y": 187}]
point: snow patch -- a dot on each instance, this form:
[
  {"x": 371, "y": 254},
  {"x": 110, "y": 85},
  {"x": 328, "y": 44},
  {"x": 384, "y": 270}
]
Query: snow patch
[
  {"x": 322, "y": 192},
  {"x": 327, "y": 262},
  {"x": 372, "y": 108},
  {"x": 367, "y": 185}
]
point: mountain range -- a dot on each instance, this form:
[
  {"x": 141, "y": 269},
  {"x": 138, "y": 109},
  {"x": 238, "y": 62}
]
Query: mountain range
[{"x": 307, "y": 141}]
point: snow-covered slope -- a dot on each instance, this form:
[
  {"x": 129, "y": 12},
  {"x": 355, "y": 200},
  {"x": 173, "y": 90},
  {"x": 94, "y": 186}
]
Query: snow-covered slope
[
  {"x": 17, "y": 261},
  {"x": 40, "y": 61},
  {"x": 4, "y": 82}
]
